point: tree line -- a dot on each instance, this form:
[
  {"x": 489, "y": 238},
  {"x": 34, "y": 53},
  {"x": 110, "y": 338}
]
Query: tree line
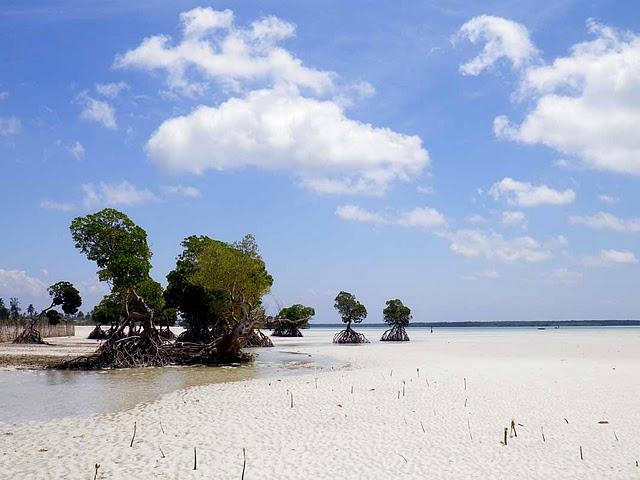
[{"x": 215, "y": 289}]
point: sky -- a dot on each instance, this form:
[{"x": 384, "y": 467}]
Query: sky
[{"x": 478, "y": 160}]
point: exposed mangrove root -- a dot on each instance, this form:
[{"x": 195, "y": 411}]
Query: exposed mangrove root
[
  {"x": 143, "y": 350},
  {"x": 349, "y": 336},
  {"x": 395, "y": 334},
  {"x": 98, "y": 334},
  {"x": 30, "y": 335},
  {"x": 166, "y": 334},
  {"x": 256, "y": 338},
  {"x": 195, "y": 336},
  {"x": 281, "y": 331}
]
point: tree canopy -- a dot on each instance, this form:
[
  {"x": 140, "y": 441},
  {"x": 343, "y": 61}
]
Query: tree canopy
[
  {"x": 349, "y": 308},
  {"x": 117, "y": 245},
  {"x": 236, "y": 269},
  {"x": 65, "y": 296},
  {"x": 396, "y": 313},
  {"x": 4, "y": 311}
]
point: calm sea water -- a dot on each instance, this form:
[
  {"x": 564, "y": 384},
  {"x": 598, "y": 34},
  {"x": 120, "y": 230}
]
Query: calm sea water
[{"x": 27, "y": 395}]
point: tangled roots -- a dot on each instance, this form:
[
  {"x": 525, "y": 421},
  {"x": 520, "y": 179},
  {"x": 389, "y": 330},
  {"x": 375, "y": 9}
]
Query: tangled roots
[
  {"x": 30, "y": 335},
  {"x": 286, "y": 332},
  {"x": 143, "y": 350},
  {"x": 98, "y": 334},
  {"x": 195, "y": 336},
  {"x": 349, "y": 336},
  {"x": 395, "y": 334},
  {"x": 167, "y": 334},
  {"x": 256, "y": 339}
]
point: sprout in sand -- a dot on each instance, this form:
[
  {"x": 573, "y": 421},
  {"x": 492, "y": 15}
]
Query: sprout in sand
[
  {"x": 291, "y": 319},
  {"x": 398, "y": 316},
  {"x": 351, "y": 311}
]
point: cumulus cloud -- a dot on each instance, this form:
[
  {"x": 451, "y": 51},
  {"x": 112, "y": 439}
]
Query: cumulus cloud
[
  {"x": 98, "y": 111},
  {"x": 111, "y": 90},
  {"x": 607, "y": 221},
  {"x": 9, "y": 126},
  {"x": 217, "y": 49},
  {"x": 513, "y": 218},
  {"x": 420, "y": 217},
  {"x": 586, "y": 103},
  {"x": 611, "y": 258},
  {"x": 17, "y": 282},
  {"x": 115, "y": 194},
  {"x": 77, "y": 151},
  {"x": 59, "y": 206},
  {"x": 493, "y": 246},
  {"x": 502, "y": 38},
  {"x": 279, "y": 129},
  {"x": 526, "y": 194},
  {"x": 181, "y": 190}
]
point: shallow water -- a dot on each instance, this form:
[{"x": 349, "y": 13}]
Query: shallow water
[{"x": 27, "y": 395}]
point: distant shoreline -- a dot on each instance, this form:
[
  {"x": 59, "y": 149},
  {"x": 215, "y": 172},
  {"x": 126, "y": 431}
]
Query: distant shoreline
[{"x": 509, "y": 324}]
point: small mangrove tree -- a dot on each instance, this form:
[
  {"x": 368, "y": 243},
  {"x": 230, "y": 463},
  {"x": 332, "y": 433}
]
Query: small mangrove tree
[
  {"x": 397, "y": 315},
  {"x": 351, "y": 311}
]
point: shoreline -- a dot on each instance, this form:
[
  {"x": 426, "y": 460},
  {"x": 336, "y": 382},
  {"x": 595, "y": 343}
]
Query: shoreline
[{"x": 436, "y": 407}]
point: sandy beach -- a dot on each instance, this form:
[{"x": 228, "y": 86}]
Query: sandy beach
[{"x": 436, "y": 407}]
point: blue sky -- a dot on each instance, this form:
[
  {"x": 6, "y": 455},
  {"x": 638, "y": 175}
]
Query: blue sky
[{"x": 479, "y": 162}]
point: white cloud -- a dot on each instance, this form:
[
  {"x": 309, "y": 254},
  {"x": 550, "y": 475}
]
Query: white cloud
[
  {"x": 502, "y": 39},
  {"x": 419, "y": 217},
  {"x": 608, "y": 199},
  {"x": 607, "y": 221},
  {"x": 9, "y": 126},
  {"x": 513, "y": 218},
  {"x": 481, "y": 275},
  {"x": 355, "y": 213},
  {"x": 425, "y": 190},
  {"x": 475, "y": 219},
  {"x": 111, "y": 90},
  {"x": 217, "y": 49},
  {"x": 118, "y": 194},
  {"x": 77, "y": 151},
  {"x": 98, "y": 111},
  {"x": 4, "y": 95},
  {"x": 564, "y": 276},
  {"x": 181, "y": 190},
  {"x": 59, "y": 206},
  {"x": 493, "y": 246},
  {"x": 611, "y": 258},
  {"x": 586, "y": 104},
  {"x": 279, "y": 129},
  {"x": 17, "y": 282},
  {"x": 527, "y": 195}
]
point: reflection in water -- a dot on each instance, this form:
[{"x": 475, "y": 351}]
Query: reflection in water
[{"x": 48, "y": 394}]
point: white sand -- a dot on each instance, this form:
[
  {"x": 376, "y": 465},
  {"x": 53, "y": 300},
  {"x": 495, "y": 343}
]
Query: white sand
[{"x": 537, "y": 378}]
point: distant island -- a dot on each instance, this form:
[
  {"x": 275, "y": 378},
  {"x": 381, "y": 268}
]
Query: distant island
[{"x": 532, "y": 323}]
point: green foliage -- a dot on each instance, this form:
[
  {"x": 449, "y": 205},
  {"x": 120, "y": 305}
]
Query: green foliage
[
  {"x": 199, "y": 307},
  {"x": 297, "y": 316},
  {"x": 396, "y": 313},
  {"x": 31, "y": 310},
  {"x": 167, "y": 317},
  {"x": 4, "y": 311},
  {"x": 66, "y": 296},
  {"x": 236, "y": 270},
  {"x": 54, "y": 317},
  {"x": 109, "y": 311},
  {"x": 117, "y": 245},
  {"x": 152, "y": 293},
  {"x": 14, "y": 308},
  {"x": 349, "y": 308}
]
